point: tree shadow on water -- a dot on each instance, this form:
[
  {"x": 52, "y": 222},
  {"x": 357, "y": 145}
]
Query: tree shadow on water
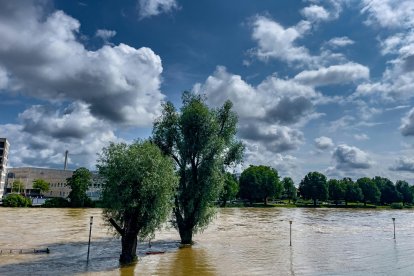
[{"x": 71, "y": 258}]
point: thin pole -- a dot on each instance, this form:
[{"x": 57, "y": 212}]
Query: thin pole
[
  {"x": 89, "y": 242},
  {"x": 393, "y": 221},
  {"x": 290, "y": 233}
]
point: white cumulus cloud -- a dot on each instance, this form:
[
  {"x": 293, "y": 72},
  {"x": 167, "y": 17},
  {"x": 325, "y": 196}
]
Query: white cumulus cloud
[{"x": 148, "y": 8}]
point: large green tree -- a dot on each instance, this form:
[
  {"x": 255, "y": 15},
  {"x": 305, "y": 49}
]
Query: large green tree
[
  {"x": 41, "y": 185},
  {"x": 389, "y": 193},
  {"x": 314, "y": 186},
  {"x": 289, "y": 189},
  {"x": 202, "y": 142},
  {"x": 138, "y": 193},
  {"x": 336, "y": 190},
  {"x": 230, "y": 189},
  {"x": 260, "y": 183},
  {"x": 79, "y": 182},
  {"x": 370, "y": 191},
  {"x": 353, "y": 192},
  {"x": 404, "y": 189}
]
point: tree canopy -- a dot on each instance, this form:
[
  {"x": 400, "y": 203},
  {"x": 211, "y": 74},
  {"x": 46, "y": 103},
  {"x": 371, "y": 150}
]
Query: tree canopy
[
  {"x": 404, "y": 189},
  {"x": 389, "y": 193},
  {"x": 138, "y": 193},
  {"x": 289, "y": 189},
  {"x": 230, "y": 189},
  {"x": 336, "y": 190},
  {"x": 258, "y": 183},
  {"x": 314, "y": 186},
  {"x": 369, "y": 190},
  {"x": 202, "y": 142},
  {"x": 352, "y": 191},
  {"x": 41, "y": 185},
  {"x": 18, "y": 186},
  {"x": 79, "y": 183}
]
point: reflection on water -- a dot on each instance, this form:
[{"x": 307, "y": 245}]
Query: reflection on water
[{"x": 241, "y": 241}]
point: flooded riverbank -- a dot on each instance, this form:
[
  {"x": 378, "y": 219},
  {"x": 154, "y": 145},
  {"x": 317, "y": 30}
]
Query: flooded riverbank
[{"x": 241, "y": 241}]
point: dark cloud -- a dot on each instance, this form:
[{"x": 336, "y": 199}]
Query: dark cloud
[
  {"x": 289, "y": 110},
  {"x": 403, "y": 164},
  {"x": 407, "y": 124},
  {"x": 349, "y": 157}
]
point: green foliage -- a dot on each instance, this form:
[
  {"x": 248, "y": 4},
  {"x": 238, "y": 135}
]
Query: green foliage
[
  {"x": 42, "y": 185},
  {"x": 201, "y": 141},
  {"x": 289, "y": 189},
  {"x": 56, "y": 202},
  {"x": 139, "y": 186},
  {"x": 230, "y": 189},
  {"x": 314, "y": 186},
  {"x": 404, "y": 189},
  {"x": 79, "y": 183},
  {"x": 389, "y": 193},
  {"x": 370, "y": 191},
  {"x": 258, "y": 183},
  {"x": 396, "y": 205},
  {"x": 353, "y": 192},
  {"x": 17, "y": 186},
  {"x": 336, "y": 190},
  {"x": 16, "y": 200}
]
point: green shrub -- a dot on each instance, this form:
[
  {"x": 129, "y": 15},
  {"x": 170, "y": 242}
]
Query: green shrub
[
  {"x": 56, "y": 202},
  {"x": 396, "y": 205},
  {"x": 16, "y": 200}
]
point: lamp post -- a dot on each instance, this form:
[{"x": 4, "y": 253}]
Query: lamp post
[
  {"x": 89, "y": 242},
  {"x": 393, "y": 221},
  {"x": 290, "y": 233}
]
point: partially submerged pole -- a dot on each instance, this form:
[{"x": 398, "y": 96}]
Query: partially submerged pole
[
  {"x": 393, "y": 221},
  {"x": 290, "y": 233},
  {"x": 89, "y": 242}
]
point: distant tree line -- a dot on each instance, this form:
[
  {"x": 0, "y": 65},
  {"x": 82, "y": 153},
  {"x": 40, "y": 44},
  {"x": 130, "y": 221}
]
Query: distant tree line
[{"x": 260, "y": 183}]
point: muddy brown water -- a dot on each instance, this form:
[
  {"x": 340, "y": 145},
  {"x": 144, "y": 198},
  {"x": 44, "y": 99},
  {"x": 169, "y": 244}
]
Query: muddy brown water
[{"x": 240, "y": 241}]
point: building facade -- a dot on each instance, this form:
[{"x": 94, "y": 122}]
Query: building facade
[
  {"x": 56, "y": 179},
  {"x": 4, "y": 152}
]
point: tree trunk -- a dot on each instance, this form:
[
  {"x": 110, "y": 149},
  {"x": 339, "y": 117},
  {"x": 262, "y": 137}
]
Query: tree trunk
[
  {"x": 289, "y": 200},
  {"x": 265, "y": 201},
  {"x": 365, "y": 203},
  {"x": 186, "y": 235},
  {"x": 129, "y": 247},
  {"x": 314, "y": 203}
]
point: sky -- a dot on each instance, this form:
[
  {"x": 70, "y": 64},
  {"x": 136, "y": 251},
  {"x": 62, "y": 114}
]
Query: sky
[{"x": 322, "y": 86}]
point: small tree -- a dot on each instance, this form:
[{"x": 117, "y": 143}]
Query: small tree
[
  {"x": 230, "y": 189},
  {"x": 289, "y": 188},
  {"x": 314, "y": 186},
  {"x": 41, "y": 185},
  {"x": 79, "y": 183},
  {"x": 404, "y": 189},
  {"x": 138, "y": 192},
  {"x": 260, "y": 183},
  {"x": 202, "y": 143},
  {"x": 336, "y": 190},
  {"x": 369, "y": 190},
  {"x": 18, "y": 186},
  {"x": 353, "y": 192}
]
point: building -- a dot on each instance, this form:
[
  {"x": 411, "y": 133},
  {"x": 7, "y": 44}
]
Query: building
[
  {"x": 56, "y": 179},
  {"x": 4, "y": 152}
]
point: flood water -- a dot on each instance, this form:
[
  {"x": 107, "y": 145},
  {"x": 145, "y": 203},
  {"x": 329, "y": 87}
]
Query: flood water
[{"x": 241, "y": 241}]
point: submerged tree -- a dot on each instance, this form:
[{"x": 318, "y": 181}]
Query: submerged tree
[
  {"x": 138, "y": 192},
  {"x": 202, "y": 142},
  {"x": 260, "y": 183},
  {"x": 79, "y": 183}
]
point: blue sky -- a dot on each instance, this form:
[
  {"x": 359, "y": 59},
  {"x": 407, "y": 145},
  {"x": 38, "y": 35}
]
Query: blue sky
[{"x": 317, "y": 85}]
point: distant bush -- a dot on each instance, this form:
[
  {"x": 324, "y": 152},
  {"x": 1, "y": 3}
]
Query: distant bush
[
  {"x": 16, "y": 200},
  {"x": 56, "y": 202},
  {"x": 396, "y": 205}
]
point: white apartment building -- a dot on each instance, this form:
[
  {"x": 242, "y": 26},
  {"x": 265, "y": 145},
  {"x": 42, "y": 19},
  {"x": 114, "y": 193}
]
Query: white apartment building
[{"x": 4, "y": 152}]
